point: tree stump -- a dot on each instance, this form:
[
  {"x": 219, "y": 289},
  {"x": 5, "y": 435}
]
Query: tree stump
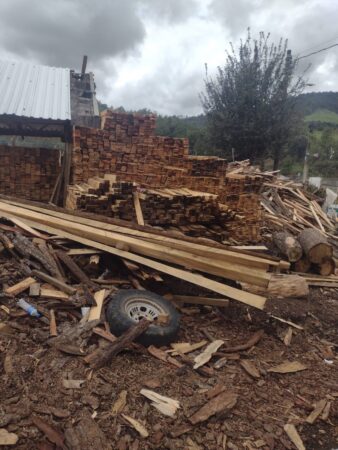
[
  {"x": 288, "y": 246},
  {"x": 315, "y": 245},
  {"x": 303, "y": 265},
  {"x": 325, "y": 268}
]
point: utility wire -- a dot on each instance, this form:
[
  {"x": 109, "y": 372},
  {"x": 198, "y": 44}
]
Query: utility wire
[
  {"x": 318, "y": 45},
  {"x": 318, "y": 51}
]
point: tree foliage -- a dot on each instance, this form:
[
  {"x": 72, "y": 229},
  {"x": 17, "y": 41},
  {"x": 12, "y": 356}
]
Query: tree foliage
[{"x": 250, "y": 103}]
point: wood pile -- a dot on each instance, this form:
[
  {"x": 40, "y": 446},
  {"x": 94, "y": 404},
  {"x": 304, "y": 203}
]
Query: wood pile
[
  {"x": 29, "y": 173},
  {"x": 160, "y": 251},
  {"x": 192, "y": 212}
]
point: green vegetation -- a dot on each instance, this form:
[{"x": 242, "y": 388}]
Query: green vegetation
[{"x": 323, "y": 116}]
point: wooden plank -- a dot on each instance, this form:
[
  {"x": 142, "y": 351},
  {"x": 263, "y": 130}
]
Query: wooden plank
[
  {"x": 83, "y": 251},
  {"x": 55, "y": 282},
  {"x": 222, "y": 302},
  {"x": 25, "y": 227},
  {"x": 138, "y": 209},
  {"x": 95, "y": 311},
  {"x": 254, "y": 300},
  {"x": 20, "y": 287},
  {"x": 53, "y": 293}
]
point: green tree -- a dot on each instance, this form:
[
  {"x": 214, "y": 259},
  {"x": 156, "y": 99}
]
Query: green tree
[{"x": 250, "y": 104}]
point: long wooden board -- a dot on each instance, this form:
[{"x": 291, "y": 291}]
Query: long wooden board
[{"x": 247, "y": 298}]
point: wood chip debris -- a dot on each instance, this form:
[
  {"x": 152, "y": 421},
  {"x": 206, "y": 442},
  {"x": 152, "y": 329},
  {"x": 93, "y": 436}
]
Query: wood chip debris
[
  {"x": 288, "y": 367},
  {"x": 186, "y": 347},
  {"x": 223, "y": 402},
  {"x": 7, "y": 438},
  {"x": 294, "y": 437},
  {"x": 165, "y": 405},
  {"x": 206, "y": 355},
  {"x": 120, "y": 403},
  {"x": 141, "y": 429}
]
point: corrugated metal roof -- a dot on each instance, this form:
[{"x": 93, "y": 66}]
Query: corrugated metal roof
[{"x": 31, "y": 90}]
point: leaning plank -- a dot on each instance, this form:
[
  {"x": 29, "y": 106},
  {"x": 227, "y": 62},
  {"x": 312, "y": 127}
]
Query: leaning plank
[
  {"x": 82, "y": 251},
  {"x": 138, "y": 209},
  {"x": 53, "y": 281},
  {"x": 95, "y": 311},
  {"x": 254, "y": 300},
  {"x": 20, "y": 287},
  {"x": 27, "y": 228}
]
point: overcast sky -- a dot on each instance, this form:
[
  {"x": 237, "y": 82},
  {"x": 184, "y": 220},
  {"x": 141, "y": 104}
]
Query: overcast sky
[{"x": 151, "y": 53}]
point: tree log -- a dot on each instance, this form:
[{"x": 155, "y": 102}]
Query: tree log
[
  {"x": 315, "y": 245},
  {"x": 288, "y": 246},
  {"x": 103, "y": 356},
  {"x": 325, "y": 268},
  {"x": 288, "y": 286},
  {"x": 303, "y": 265}
]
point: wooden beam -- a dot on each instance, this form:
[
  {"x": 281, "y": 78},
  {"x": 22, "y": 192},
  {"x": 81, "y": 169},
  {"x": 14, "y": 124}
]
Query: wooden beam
[
  {"x": 55, "y": 282},
  {"x": 194, "y": 299}
]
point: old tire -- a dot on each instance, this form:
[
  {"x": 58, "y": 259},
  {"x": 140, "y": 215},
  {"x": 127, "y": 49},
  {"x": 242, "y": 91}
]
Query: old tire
[{"x": 127, "y": 307}]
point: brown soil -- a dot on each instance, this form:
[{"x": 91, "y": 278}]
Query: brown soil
[{"x": 32, "y": 372}]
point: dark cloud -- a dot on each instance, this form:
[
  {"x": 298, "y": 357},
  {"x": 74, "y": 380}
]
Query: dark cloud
[
  {"x": 172, "y": 11},
  {"x": 60, "y": 32}
]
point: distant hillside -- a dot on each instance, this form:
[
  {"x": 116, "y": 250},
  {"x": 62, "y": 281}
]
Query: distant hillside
[
  {"x": 313, "y": 101},
  {"x": 322, "y": 116}
]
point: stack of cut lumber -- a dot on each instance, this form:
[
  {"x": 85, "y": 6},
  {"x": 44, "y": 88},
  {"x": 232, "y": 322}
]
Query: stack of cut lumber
[
  {"x": 104, "y": 196},
  {"x": 125, "y": 126},
  {"x": 161, "y": 207},
  {"x": 28, "y": 173},
  {"x": 160, "y": 251}
]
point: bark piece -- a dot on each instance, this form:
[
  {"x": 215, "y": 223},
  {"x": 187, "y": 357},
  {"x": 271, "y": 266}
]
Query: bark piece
[
  {"x": 75, "y": 269},
  {"x": 294, "y": 437},
  {"x": 288, "y": 245},
  {"x": 54, "y": 282},
  {"x": 53, "y": 435},
  {"x": 250, "y": 368},
  {"x": 186, "y": 347},
  {"x": 206, "y": 355},
  {"x": 165, "y": 405},
  {"x": 86, "y": 435},
  {"x": 163, "y": 356},
  {"x": 288, "y": 367},
  {"x": 222, "y": 403},
  {"x": 315, "y": 245},
  {"x": 102, "y": 357},
  {"x": 255, "y": 338}
]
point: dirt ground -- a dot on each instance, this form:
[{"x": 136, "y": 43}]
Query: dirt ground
[{"x": 32, "y": 386}]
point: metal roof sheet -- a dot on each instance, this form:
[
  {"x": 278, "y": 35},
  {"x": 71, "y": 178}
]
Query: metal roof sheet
[{"x": 31, "y": 90}]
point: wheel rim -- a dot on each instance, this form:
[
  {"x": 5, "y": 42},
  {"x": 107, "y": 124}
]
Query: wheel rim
[{"x": 140, "y": 308}]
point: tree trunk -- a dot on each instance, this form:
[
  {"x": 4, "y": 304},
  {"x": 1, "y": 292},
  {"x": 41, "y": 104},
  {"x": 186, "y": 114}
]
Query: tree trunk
[
  {"x": 325, "y": 268},
  {"x": 315, "y": 245},
  {"x": 303, "y": 265},
  {"x": 288, "y": 246}
]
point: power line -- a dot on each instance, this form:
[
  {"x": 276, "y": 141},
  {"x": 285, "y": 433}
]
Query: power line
[
  {"x": 318, "y": 51},
  {"x": 317, "y": 45}
]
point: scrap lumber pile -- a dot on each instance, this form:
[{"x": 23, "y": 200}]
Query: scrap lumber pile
[
  {"x": 28, "y": 172},
  {"x": 162, "y": 252}
]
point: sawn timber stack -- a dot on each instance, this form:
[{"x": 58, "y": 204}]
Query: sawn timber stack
[{"x": 160, "y": 251}]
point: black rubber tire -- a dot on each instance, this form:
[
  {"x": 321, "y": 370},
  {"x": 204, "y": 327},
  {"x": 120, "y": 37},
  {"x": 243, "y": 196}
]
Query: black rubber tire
[{"x": 119, "y": 320}]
